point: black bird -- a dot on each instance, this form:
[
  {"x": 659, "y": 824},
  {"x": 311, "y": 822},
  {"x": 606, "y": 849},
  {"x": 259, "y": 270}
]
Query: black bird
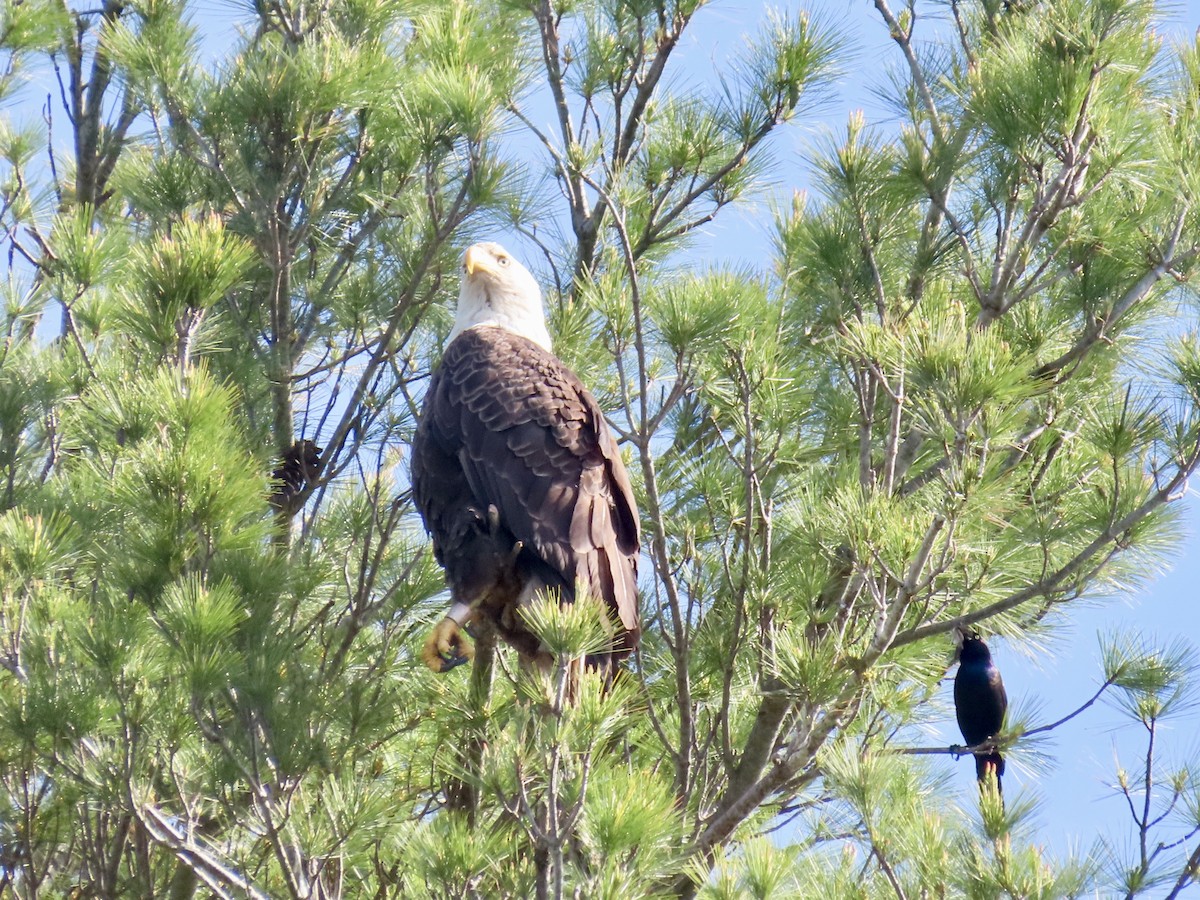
[{"x": 980, "y": 703}]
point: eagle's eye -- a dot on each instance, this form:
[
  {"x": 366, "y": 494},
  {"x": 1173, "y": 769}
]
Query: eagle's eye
[{"x": 503, "y": 260}]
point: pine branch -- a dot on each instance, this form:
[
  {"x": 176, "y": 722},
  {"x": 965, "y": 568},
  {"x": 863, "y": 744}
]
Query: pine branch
[
  {"x": 1107, "y": 541},
  {"x": 218, "y": 877},
  {"x": 904, "y": 40},
  {"x": 1099, "y": 326}
]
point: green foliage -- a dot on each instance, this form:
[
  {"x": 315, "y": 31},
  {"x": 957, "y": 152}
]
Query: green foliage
[
  {"x": 761, "y": 871},
  {"x": 82, "y": 256},
  {"x": 29, "y": 27},
  {"x": 567, "y": 630}
]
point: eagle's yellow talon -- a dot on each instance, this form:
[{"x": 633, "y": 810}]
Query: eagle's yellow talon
[{"x": 447, "y": 647}]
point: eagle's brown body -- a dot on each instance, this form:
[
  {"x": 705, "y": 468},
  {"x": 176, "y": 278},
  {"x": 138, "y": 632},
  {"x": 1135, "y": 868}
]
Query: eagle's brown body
[{"x": 522, "y": 488}]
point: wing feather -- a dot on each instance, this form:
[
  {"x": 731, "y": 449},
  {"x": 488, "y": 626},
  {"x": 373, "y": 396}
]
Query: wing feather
[{"x": 531, "y": 440}]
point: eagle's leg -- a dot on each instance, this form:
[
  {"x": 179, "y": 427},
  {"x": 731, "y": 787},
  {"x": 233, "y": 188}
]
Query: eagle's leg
[
  {"x": 483, "y": 575},
  {"x": 447, "y": 646},
  {"x": 486, "y": 557}
]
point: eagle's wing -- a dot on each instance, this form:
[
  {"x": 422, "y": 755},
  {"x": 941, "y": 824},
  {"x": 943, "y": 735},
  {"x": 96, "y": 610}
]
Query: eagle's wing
[{"x": 531, "y": 440}]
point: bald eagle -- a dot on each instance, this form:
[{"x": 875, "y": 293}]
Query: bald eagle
[{"x": 517, "y": 476}]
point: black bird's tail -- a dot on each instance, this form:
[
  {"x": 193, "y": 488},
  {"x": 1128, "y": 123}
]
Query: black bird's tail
[{"x": 991, "y": 762}]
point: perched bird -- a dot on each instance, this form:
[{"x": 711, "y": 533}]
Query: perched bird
[
  {"x": 517, "y": 476},
  {"x": 980, "y": 703}
]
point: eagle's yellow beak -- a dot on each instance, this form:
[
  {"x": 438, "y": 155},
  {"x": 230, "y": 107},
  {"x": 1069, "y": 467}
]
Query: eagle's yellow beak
[{"x": 476, "y": 260}]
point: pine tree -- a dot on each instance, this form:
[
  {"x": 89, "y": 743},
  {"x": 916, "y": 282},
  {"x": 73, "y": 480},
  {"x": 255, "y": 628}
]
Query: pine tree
[{"x": 959, "y": 396}]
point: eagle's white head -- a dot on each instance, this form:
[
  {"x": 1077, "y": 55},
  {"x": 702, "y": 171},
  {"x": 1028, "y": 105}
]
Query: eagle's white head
[{"x": 498, "y": 290}]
